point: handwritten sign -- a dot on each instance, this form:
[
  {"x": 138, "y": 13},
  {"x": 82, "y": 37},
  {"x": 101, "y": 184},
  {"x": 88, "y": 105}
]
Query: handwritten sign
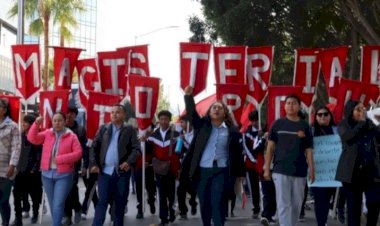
[{"x": 327, "y": 150}]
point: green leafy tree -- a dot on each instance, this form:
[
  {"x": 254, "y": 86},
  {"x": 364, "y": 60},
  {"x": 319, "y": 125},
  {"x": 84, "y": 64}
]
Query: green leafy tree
[
  {"x": 289, "y": 25},
  {"x": 163, "y": 101},
  {"x": 40, "y": 13}
]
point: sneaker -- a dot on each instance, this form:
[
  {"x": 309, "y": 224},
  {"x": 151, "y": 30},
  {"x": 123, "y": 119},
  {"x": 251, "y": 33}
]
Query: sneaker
[
  {"x": 34, "y": 219},
  {"x": 66, "y": 221},
  {"x": 183, "y": 216},
  {"x": 139, "y": 215},
  {"x": 16, "y": 222},
  {"x": 152, "y": 208},
  {"x": 341, "y": 217},
  {"x": 264, "y": 221},
  {"x": 77, "y": 216},
  {"x": 172, "y": 216},
  {"x": 301, "y": 218},
  {"x": 84, "y": 216},
  {"x": 255, "y": 215},
  {"x": 25, "y": 214}
]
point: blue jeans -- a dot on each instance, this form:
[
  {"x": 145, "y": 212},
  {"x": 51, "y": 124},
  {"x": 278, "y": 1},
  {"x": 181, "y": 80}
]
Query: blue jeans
[
  {"x": 212, "y": 192},
  {"x": 116, "y": 185},
  {"x": 5, "y": 192},
  {"x": 57, "y": 190}
]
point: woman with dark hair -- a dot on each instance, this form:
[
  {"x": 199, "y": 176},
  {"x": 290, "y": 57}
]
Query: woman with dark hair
[
  {"x": 10, "y": 145},
  {"x": 323, "y": 125},
  {"x": 359, "y": 166},
  {"x": 216, "y": 155},
  {"x": 61, "y": 150}
]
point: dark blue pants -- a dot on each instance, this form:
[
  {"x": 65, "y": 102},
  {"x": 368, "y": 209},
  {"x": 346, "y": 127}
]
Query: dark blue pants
[
  {"x": 212, "y": 193},
  {"x": 269, "y": 198},
  {"x": 118, "y": 185},
  {"x": 322, "y": 200},
  {"x": 255, "y": 189},
  {"x": 354, "y": 193},
  {"x": 5, "y": 192},
  {"x": 166, "y": 189},
  {"x": 185, "y": 187}
]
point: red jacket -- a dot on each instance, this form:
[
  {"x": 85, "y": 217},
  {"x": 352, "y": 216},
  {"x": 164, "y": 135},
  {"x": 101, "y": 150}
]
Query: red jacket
[
  {"x": 69, "y": 148},
  {"x": 159, "y": 148}
]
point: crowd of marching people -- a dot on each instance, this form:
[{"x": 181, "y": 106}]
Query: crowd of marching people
[{"x": 194, "y": 168}]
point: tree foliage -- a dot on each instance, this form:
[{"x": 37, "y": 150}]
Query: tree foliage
[
  {"x": 288, "y": 25},
  {"x": 40, "y": 13}
]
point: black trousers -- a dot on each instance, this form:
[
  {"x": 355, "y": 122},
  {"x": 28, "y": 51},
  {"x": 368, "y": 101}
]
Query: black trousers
[
  {"x": 89, "y": 183},
  {"x": 255, "y": 189},
  {"x": 166, "y": 189},
  {"x": 322, "y": 203},
  {"x": 185, "y": 186},
  {"x": 150, "y": 186},
  {"x": 72, "y": 201},
  {"x": 26, "y": 184},
  {"x": 269, "y": 198},
  {"x": 354, "y": 193}
]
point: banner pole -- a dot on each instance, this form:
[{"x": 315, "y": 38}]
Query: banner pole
[{"x": 141, "y": 134}]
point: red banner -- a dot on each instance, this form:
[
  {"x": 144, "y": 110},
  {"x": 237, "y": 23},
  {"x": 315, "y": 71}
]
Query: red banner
[
  {"x": 230, "y": 64},
  {"x": 51, "y": 102},
  {"x": 194, "y": 61},
  {"x": 355, "y": 90},
  {"x": 14, "y": 104},
  {"x": 333, "y": 63},
  {"x": 259, "y": 70},
  {"x": 88, "y": 80},
  {"x": 65, "y": 60},
  {"x": 306, "y": 69},
  {"x": 370, "y": 69},
  {"x": 138, "y": 59},
  {"x": 276, "y": 100},
  {"x": 112, "y": 68},
  {"x": 26, "y": 66},
  {"x": 98, "y": 111},
  {"x": 144, "y": 98},
  {"x": 234, "y": 96}
]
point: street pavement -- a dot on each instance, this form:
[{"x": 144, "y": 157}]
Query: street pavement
[{"x": 242, "y": 216}]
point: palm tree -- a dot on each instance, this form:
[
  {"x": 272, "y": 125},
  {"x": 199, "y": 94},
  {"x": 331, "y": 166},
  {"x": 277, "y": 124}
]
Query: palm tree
[{"x": 40, "y": 12}]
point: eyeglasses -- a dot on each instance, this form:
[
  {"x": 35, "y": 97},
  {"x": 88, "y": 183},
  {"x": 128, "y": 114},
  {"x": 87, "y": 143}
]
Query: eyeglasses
[{"x": 323, "y": 114}]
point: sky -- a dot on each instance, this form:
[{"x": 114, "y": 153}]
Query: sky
[{"x": 120, "y": 21}]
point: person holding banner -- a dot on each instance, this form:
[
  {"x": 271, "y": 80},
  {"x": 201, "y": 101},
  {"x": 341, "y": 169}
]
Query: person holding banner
[
  {"x": 10, "y": 147},
  {"x": 28, "y": 178},
  {"x": 185, "y": 187},
  {"x": 161, "y": 144},
  {"x": 254, "y": 145},
  {"x": 323, "y": 125},
  {"x": 359, "y": 164},
  {"x": 114, "y": 150},
  {"x": 291, "y": 143},
  {"x": 217, "y": 154},
  {"x": 61, "y": 150}
]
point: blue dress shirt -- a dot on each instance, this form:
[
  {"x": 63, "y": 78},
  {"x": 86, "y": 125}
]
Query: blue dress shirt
[
  {"x": 216, "y": 148},
  {"x": 111, "y": 162}
]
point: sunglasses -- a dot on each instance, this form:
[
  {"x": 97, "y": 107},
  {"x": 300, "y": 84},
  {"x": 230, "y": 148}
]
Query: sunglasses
[{"x": 323, "y": 114}]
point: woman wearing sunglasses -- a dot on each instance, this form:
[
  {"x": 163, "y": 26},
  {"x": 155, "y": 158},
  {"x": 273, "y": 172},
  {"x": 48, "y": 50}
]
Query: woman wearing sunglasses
[
  {"x": 359, "y": 166},
  {"x": 323, "y": 125}
]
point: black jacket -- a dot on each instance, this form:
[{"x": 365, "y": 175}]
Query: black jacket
[
  {"x": 129, "y": 146},
  {"x": 30, "y": 156},
  {"x": 359, "y": 161},
  {"x": 203, "y": 127}
]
